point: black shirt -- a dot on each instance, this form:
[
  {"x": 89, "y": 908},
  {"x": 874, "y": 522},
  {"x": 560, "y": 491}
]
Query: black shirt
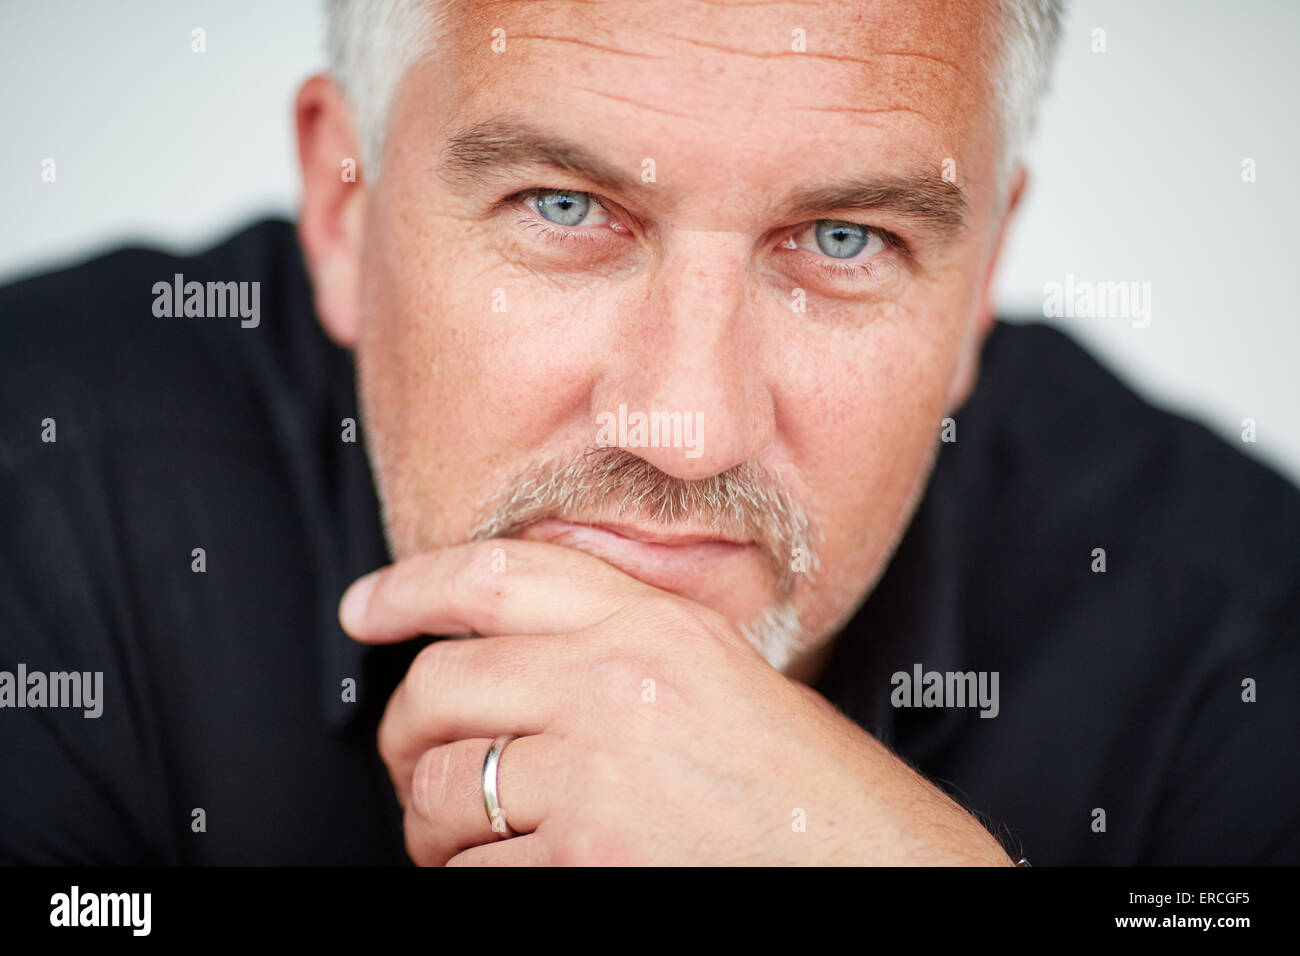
[{"x": 223, "y": 689}]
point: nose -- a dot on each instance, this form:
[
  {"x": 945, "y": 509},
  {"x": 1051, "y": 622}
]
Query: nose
[{"x": 686, "y": 392}]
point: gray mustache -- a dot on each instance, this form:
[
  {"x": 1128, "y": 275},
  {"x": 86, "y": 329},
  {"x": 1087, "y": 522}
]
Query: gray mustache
[{"x": 607, "y": 483}]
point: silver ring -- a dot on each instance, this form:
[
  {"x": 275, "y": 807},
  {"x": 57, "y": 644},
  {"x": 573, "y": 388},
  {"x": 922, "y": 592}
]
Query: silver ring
[{"x": 491, "y": 803}]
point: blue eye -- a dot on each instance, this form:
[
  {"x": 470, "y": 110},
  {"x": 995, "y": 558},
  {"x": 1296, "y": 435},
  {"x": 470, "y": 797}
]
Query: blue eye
[
  {"x": 841, "y": 240},
  {"x": 563, "y": 207}
]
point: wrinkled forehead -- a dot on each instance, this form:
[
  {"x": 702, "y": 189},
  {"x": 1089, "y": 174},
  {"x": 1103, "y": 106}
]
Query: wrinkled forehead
[{"x": 739, "y": 93}]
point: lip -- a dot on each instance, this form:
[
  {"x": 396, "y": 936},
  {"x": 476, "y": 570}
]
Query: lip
[{"x": 671, "y": 560}]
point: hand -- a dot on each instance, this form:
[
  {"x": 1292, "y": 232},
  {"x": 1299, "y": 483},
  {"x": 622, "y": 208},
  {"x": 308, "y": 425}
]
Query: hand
[{"x": 649, "y": 731}]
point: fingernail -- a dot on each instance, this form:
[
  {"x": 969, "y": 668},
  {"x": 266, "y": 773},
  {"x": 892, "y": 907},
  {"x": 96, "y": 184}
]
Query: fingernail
[{"x": 352, "y": 609}]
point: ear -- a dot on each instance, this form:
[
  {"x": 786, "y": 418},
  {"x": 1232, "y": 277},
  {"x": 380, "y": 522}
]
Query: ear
[
  {"x": 331, "y": 217},
  {"x": 964, "y": 381}
]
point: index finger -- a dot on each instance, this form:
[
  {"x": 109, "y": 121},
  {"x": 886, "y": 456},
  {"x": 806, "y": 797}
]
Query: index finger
[{"x": 494, "y": 587}]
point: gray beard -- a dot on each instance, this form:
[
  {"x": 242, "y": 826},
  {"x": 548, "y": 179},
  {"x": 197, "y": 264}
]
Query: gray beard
[{"x": 775, "y": 633}]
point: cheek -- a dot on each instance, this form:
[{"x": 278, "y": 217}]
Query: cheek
[
  {"x": 470, "y": 364},
  {"x": 865, "y": 421}
]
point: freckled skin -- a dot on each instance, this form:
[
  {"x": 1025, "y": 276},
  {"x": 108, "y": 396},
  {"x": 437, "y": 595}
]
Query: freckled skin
[{"x": 691, "y": 309}]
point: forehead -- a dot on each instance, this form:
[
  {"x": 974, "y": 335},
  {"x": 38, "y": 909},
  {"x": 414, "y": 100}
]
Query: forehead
[{"x": 711, "y": 86}]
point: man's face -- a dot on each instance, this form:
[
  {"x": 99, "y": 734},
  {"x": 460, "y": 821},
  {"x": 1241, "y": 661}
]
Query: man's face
[{"x": 518, "y": 306}]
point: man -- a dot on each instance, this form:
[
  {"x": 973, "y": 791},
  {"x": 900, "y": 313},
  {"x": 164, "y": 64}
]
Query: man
[{"x": 661, "y": 315}]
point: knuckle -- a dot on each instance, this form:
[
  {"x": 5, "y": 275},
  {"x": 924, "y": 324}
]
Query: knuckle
[
  {"x": 474, "y": 584},
  {"x": 617, "y": 683},
  {"x": 416, "y": 841},
  {"x": 474, "y": 576},
  {"x": 429, "y": 669},
  {"x": 429, "y": 782},
  {"x": 589, "y": 843},
  {"x": 384, "y": 740},
  {"x": 617, "y": 671}
]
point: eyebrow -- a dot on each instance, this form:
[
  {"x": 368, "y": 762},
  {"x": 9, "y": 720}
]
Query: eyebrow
[
  {"x": 928, "y": 200},
  {"x": 476, "y": 153}
]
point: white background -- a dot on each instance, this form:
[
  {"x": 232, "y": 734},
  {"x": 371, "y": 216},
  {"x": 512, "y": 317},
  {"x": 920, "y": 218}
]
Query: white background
[{"x": 1137, "y": 169}]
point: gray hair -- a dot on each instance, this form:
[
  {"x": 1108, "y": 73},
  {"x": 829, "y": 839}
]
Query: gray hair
[{"x": 373, "y": 45}]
